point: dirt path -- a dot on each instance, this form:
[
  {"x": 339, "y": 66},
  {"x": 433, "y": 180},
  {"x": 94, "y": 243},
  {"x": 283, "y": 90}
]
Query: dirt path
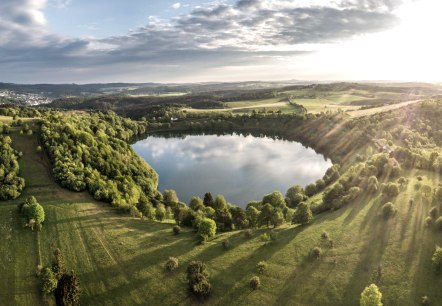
[{"x": 375, "y": 110}]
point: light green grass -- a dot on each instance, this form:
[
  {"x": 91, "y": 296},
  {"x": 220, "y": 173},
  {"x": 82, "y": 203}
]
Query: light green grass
[{"x": 119, "y": 259}]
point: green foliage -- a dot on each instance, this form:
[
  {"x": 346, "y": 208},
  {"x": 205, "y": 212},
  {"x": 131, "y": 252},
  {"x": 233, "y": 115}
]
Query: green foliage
[
  {"x": 373, "y": 184},
  {"x": 316, "y": 252},
  {"x": 434, "y": 212},
  {"x": 388, "y": 210},
  {"x": 206, "y": 229},
  {"x": 310, "y": 190},
  {"x": 333, "y": 196},
  {"x": 248, "y": 234},
  {"x": 32, "y": 211},
  {"x": 170, "y": 197},
  {"x": 220, "y": 203},
  {"x": 147, "y": 209},
  {"x": 171, "y": 264},
  {"x": 198, "y": 279},
  {"x": 255, "y": 283},
  {"x": 277, "y": 218},
  {"x": 253, "y": 216},
  {"x": 196, "y": 203},
  {"x": 58, "y": 265},
  {"x": 11, "y": 184},
  {"x": 261, "y": 267},
  {"x": 208, "y": 199},
  {"x": 275, "y": 199},
  {"x": 90, "y": 151},
  {"x": 67, "y": 292},
  {"x": 48, "y": 281},
  {"x": 371, "y": 296},
  {"x": 160, "y": 213},
  {"x": 325, "y": 235},
  {"x": 425, "y": 301},
  {"x": 176, "y": 229},
  {"x": 294, "y": 196},
  {"x": 225, "y": 244},
  {"x": 438, "y": 224},
  {"x": 391, "y": 190},
  {"x": 266, "y": 214},
  {"x": 437, "y": 259},
  {"x": 303, "y": 214}
]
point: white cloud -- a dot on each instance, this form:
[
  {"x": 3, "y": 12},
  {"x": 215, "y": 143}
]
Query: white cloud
[{"x": 176, "y": 5}]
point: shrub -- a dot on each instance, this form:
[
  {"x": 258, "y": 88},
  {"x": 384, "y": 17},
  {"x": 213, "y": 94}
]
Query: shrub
[
  {"x": 198, "y": 279},
  {"x": 206, "y": 229},
  {"x": 388, "y": 210},
  {"x": 391, "y": 190},
  {"x": 371, "y": 296},
  {"x": 226, "y": 244},
  {"x": 261, "y": 267},
  {"x": 48, "y": 281},
  {"x": 316, "y": 252},
  {"x": 176, "y": 229},
  {"x": 265, "y": 237},
  {"x": 171, "y": 264},
  {"x": 438, "y": 223},
  {"x": 433, "y": 213},
  {"x": 325, "y": 235},
  {"x": 437, "y": 259},
  {"x": 248, "y": 234},
  {"x": 428, "y": 222},
  {"x": 255, "y": 283},
  {"x": 425, "y": 301}
]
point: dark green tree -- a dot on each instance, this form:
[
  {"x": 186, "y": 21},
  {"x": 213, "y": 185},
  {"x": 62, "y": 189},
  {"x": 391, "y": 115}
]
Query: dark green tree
[
  {"x": 303, "y": 214},
  {"x": 67, "y": 292}
]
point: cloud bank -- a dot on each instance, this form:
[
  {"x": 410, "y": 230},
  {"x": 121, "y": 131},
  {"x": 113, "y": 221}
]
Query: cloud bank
[{"x": 217, "y": 35}]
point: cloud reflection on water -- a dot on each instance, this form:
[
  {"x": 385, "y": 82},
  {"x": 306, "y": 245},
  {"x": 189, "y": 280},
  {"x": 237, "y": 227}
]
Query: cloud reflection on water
[{"x": 242, "y": 168}]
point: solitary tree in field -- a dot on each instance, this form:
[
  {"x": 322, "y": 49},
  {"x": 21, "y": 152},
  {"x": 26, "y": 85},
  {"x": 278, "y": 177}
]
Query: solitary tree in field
[{"x": 371, "y": 296}]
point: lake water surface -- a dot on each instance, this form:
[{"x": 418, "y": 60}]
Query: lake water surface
[{"x": 242, "y": 168}]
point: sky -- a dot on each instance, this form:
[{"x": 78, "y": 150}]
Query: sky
[{"x": 84, "y": 41}]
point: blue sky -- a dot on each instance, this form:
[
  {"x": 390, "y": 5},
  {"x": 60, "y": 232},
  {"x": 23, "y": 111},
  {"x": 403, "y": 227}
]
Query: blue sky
[
  {"x": 102, "y": 18},
  {"x": 81, "y": 41}
]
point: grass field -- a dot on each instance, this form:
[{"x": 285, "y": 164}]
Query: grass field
[
  {"x": 315, "y": 102},
  {"x": 119, "y": 259}
]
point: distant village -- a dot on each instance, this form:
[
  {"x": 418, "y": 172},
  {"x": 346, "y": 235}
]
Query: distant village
[{"x": 7, "y": 96}]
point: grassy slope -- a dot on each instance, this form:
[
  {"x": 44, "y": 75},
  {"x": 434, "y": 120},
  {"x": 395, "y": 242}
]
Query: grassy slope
[{"x": 119, "y": 259}]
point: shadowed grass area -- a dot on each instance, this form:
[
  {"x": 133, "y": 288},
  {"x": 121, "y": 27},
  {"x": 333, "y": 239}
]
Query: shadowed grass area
[{"x": 120, "y": 259}]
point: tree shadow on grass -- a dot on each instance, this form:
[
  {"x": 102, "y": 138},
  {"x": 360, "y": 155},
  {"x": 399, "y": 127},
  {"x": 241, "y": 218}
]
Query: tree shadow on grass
[
  {"x": 371, "y": 256},
  {"x": 134, "y": 270},
  {"x": 245, "y": 267}
]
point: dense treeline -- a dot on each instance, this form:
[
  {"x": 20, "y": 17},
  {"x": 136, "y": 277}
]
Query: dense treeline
[
  {"x": 11, "y": 184},
  {"x": 91, "y": 152}
]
